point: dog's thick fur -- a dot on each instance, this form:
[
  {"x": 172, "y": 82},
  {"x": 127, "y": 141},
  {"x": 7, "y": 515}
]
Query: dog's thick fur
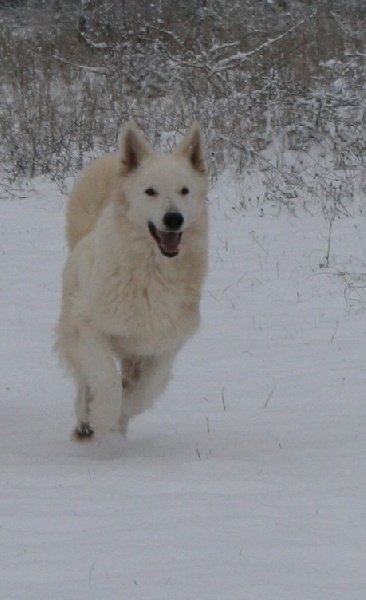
[{"x": 137, "y": 231}]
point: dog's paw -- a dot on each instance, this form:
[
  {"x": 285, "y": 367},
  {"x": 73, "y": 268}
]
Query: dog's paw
[{"x": 82, "y": 432}]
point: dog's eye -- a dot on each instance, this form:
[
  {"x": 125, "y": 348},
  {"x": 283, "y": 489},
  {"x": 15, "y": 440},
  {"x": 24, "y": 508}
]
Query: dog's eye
[
  {"x": 184, "y": 191},
  {"x": 151, "y": 192}
]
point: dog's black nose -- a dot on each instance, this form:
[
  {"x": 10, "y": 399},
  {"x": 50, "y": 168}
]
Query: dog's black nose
[{"x": 173, "y": 220}]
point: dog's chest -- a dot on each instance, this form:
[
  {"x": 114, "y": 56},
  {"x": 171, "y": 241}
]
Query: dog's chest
[{"x": 150, "y": 311}]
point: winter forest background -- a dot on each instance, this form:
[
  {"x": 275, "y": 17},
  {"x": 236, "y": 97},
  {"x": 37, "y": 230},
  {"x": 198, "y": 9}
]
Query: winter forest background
[{"x": 279, "y": 86}]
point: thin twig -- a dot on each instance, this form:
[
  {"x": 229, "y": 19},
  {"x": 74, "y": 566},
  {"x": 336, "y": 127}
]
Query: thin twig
[
  {"x": 334, "y": 332},
  {"x": 269, "y": 398},
  {"x": 223, "y": 398}
]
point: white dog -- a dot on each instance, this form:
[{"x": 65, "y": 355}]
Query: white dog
[{"x": 137, "y": 230}]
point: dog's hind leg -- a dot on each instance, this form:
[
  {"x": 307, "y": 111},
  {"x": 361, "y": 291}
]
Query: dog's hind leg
[
  {"x": 83, "y": 431},
  {"x": 123, "y": 422},
  {"x": 131, "y": 372},
  {"x": 151, "y": 375}
]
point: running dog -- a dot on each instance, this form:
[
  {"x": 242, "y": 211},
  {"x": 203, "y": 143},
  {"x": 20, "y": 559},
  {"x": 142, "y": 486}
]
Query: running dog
[{"x": 137, "y": 228}]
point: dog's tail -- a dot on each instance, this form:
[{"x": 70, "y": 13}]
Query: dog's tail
[{"x": 90, "y": 195}]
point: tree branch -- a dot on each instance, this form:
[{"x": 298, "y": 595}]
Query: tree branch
[
  {"x": 230, "y": 62},
  {"x": 97, "y": 70}
]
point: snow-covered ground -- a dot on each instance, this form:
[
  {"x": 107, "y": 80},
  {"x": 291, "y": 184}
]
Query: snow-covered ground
[{"x": 247, "y": 481}]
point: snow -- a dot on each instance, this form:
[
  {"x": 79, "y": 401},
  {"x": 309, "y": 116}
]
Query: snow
[{"x": 247, "y": 480}]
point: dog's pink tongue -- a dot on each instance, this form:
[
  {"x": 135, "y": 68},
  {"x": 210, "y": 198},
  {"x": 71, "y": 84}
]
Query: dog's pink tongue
[{"x": 169, "y": 241}]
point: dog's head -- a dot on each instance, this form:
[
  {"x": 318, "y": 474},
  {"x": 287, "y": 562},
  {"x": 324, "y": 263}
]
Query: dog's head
[{"x": 164, "y": 193}]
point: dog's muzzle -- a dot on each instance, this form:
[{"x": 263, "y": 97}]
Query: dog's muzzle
[{"x": 168, "y": 239}]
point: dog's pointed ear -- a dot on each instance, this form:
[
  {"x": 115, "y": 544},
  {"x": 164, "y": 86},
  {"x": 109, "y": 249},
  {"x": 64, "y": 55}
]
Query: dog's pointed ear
[
  {"x": 133, "y": 147},
  {"x": 193, "y": 147}
]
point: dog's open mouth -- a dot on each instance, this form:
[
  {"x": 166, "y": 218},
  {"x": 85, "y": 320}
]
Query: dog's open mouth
[{"x": 168, "y": 241}]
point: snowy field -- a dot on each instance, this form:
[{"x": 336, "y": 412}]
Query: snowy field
[{"x": 247, "y": 481}]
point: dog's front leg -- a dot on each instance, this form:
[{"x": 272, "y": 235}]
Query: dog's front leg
[
  {"x": 83, "y": 399},
  {"x": 103, "y": 378}
]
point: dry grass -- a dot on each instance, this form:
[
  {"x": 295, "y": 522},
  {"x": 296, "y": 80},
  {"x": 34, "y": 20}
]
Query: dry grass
[{"x": 251, "y": 72}]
